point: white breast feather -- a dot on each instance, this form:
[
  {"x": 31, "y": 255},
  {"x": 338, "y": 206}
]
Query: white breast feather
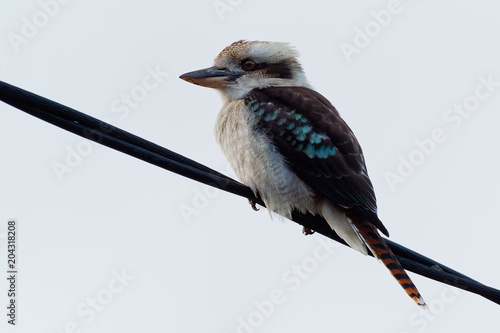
[{"x": 258, "y": 164}]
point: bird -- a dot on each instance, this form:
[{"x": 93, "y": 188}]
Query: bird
[{"x": 288, "y": 143}]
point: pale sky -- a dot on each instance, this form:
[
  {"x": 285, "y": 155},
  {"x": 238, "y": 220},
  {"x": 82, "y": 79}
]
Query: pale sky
[{"x": 108, "y": 243}]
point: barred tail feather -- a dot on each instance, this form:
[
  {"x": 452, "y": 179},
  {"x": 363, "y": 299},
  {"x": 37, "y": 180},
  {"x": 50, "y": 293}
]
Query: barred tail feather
[{"x": 381, "y": 251}]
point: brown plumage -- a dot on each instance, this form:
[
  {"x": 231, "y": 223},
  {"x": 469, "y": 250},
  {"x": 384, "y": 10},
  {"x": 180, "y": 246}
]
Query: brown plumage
[{"x": 289, "y": 144}]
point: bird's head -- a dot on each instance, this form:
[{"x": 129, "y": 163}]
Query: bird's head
[{"x": 246, "y": 65}]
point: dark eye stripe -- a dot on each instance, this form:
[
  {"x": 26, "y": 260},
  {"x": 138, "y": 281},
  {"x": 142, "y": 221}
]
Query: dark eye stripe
[{"x": 281, "y": 70}]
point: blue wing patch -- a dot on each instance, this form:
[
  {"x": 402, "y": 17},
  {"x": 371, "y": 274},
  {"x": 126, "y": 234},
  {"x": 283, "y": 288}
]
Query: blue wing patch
[{"x": 295, "y": 129}]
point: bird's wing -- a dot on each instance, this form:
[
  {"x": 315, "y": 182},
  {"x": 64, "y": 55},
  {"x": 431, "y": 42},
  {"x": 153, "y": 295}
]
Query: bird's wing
[{"x": 318, "y": 145}]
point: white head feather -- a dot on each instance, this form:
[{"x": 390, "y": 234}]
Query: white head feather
[{"x": 280, "y": 67}]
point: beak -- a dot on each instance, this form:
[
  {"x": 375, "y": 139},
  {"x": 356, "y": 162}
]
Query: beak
[{"x": 212, "y": 77}]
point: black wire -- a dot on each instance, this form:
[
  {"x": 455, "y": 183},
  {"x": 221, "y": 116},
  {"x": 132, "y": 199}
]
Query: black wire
[{"x": 116, "y": 138}]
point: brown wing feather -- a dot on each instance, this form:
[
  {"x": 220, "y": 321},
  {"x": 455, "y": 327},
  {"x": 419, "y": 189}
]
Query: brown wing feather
[{"x": 318, "y": 145}]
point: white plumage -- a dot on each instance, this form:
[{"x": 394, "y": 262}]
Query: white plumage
[{"x": 258, "y": 164}]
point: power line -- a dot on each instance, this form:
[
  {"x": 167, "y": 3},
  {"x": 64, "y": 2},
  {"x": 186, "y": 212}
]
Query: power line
[{"x": 130, "y": 144}]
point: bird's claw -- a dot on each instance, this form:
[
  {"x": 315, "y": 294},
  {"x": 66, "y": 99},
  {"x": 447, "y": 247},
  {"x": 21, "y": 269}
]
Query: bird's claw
[
  {"x": 253, "y": 204},
  {"x": 306, "y": 231}
]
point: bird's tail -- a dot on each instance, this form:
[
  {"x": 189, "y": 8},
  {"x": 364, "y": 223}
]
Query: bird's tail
[{"x": 381, "y": 251}]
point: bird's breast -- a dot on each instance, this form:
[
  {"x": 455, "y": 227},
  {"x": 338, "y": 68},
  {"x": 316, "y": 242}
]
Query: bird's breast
[{"x": 257, "y": 162}]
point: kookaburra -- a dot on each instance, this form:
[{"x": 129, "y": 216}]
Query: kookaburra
[{"x": 291, "y": 147}]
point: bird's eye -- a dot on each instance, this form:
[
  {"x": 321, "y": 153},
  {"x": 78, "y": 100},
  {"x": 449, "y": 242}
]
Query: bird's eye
[{"x": 248, "y": 65}]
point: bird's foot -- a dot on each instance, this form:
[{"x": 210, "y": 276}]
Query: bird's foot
[
  {"x": 253, "y": 204},
  {"x": 306, "y": 231}
]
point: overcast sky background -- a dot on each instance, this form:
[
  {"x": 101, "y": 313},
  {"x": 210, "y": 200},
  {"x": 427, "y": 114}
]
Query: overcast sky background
[{"x": 193, "y": 259}]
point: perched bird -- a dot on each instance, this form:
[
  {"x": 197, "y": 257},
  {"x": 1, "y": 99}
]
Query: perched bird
[{"x": 291, "y": 147}]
